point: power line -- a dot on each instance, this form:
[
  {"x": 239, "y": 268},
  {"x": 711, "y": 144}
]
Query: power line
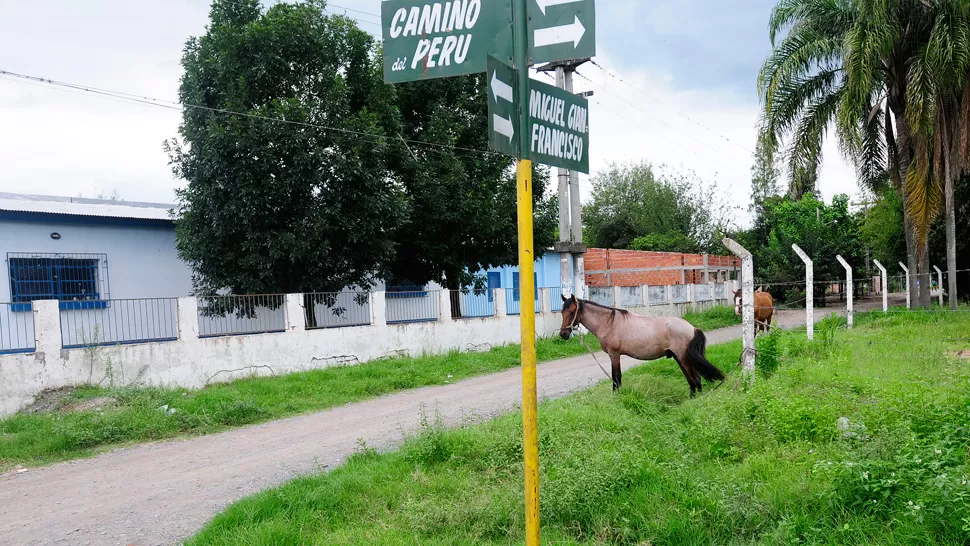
[
  {"x": 352, "y": 18},
  {"x": 665, "y": 105},
  {"x": 642, "y": 111},
  {"x": 180, "y": 107},
  {"x": 367, "y": 13}
]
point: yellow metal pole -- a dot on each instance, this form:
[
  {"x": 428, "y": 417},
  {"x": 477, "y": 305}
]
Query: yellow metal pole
[{"x": 530, "y": 420}]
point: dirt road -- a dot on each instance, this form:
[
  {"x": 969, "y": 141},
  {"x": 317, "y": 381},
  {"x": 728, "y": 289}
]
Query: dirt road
[{"x": 160, "y": 494}]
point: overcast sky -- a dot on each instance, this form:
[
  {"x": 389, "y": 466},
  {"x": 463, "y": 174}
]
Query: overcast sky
[{"x": 678, "y": 89}]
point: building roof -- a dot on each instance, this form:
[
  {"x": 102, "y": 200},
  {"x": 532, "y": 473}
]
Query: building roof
[{"x": 80, "y": 206}]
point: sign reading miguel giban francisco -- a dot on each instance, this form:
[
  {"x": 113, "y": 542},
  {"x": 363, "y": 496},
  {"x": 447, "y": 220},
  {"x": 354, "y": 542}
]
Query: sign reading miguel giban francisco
[
  {"x": 558, "y": 127},
  {"x": 558, "y": 121},
  {"x": 424, "y": 40}
]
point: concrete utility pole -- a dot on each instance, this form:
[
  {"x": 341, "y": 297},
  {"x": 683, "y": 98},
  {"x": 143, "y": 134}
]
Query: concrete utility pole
[{"x": 571, "y": 249}]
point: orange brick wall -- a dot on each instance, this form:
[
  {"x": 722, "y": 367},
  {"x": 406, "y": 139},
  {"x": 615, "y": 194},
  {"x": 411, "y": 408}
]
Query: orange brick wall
[{"x": 601, "y": 259}]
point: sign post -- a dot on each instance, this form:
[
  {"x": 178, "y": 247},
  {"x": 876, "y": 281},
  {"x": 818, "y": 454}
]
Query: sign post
[{"x": 527, "y": 119}]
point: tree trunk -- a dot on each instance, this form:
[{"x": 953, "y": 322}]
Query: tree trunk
[
  {"x": 924, "y": 277},
  {"x": 904, "y": 156},
  {"x": 950, "y": 172},
  {"x": 451, "y": 281},
  {"x": 951, "y": 245}
]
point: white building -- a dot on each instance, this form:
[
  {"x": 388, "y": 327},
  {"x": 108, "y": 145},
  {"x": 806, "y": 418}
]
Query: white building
[{"x": 83, "y": 252}]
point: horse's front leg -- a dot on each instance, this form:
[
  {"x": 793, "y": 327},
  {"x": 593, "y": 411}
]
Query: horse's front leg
[{"x": 617, "y": 372}]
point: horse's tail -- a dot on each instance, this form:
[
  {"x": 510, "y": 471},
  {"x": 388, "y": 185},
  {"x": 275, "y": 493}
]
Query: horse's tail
[{"x": 695, "y": 354}]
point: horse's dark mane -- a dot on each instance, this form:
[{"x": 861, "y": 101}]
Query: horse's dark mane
[{"x": 601, "y": 306}]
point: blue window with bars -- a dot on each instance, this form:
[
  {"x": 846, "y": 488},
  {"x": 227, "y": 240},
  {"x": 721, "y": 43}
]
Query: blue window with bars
[
  {"x": 75, "y": 280},
  {"x": 405, "y": 289}
]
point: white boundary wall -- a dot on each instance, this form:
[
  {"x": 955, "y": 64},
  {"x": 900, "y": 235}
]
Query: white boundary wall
[{"x": 192, "y": 362}]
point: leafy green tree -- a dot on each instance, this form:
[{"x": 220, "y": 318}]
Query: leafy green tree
[
  {"x": 822, "y": 231},
  {"x": 273, "y": 207},
  {"x": 764, "y": 177},
  {"x": 631, "y": 202},
  {"x": 881, "y": 228},
  {"x": 462, "y": 201}
]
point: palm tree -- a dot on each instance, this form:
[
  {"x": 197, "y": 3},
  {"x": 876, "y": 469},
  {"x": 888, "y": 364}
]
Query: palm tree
[
  {"x": 846, "y": 61},
  {"x": 939, "y": 112}
]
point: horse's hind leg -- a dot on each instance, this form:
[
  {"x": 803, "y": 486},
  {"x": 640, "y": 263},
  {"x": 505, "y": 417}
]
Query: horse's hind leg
[
  {"x": 617, "y": 372},
  {"x": 689, "y": 374}
]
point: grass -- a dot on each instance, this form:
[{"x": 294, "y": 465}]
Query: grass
[
  {"x": 129, "y": 415},
  {"x": 721, "y": 316},
  {"x": 773, "y": 464}
]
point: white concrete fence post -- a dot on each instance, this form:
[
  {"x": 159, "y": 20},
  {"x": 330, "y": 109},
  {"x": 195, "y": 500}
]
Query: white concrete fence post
[
  {"x": 47, "y": 328},
  {"x": 617, "y": 297},
  {"x": 645, "y": 296},
  {"x": 906, "y": 270},
  {"x": 444, "y": 305},
  {"x": 188, "y": 318},
  {"x": 499, "y": 298},
  {"x": 809, "y": 290},
  {"x": 885, "y": 286},
  {"x": 848, "y": 284},
  {"x": 295, "y": 314},
  {"x": 545, "y": 301},
  {"x": 378, "y": 308},
  {"x": 939, "y": 276},
  {"x": 747, "y": 307}
]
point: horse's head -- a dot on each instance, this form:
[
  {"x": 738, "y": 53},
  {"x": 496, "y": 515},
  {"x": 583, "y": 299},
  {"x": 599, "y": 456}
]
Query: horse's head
[
  {"x": 737, "y": 303},
  {"x": 570, "y": 316}
]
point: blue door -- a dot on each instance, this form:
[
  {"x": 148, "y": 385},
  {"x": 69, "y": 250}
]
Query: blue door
[{"x": 494, "y": 283}]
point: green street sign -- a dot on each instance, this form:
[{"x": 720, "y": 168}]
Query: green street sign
[
  {"x": 558, "y": 121},
  {"x": 558, "y": 127},
  {"x": 560, "y": 30},
  {"x": 503, "y": 116},
  {"x": 425, "y": 39}
]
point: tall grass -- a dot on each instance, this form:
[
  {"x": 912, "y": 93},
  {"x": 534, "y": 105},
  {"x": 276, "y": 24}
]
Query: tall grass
[
  {"x": 721, "y": 316},
  {"x": 129, "y": 415},
  {"x": 857, "y": 438}
]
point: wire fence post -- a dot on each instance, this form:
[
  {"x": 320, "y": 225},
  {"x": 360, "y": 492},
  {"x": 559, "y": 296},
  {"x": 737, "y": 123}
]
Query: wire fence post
[
  {"x": 747, "y": 307},
  {"x": 939, "y": 276},
  {"x": 809, "y": 290},
  {"x": 885, "y": 286},
  {"x": 908, "y": 297},
  {"x": 848, "y": 284}
]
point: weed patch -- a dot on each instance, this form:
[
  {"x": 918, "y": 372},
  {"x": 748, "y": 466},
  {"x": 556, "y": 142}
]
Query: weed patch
[
  {"x": 721, "y": 316},
  {"x": 859, "y": 437}
]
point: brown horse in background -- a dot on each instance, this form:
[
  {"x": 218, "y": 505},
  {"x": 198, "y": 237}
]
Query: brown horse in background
[
  {"x": 622, "y": 333},
  {"x": 764, "y": 309}
]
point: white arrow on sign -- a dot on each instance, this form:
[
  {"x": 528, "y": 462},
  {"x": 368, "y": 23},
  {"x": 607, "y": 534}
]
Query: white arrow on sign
[
  {"x": 560, "y": 35},
  {"x": 543, "y": 4},
  {"x": 503, "y": 126},
  {"x": 500, "y": 88}
]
